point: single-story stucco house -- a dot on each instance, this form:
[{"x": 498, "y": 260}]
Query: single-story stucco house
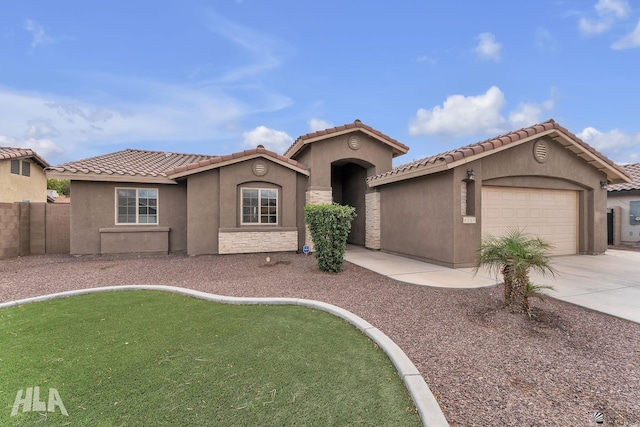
[
  {"x": 541, "y": 178},
  {"x": 624, "y": 209}
]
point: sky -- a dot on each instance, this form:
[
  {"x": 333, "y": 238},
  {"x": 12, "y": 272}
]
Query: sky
[{"x": 80, "y": 79}]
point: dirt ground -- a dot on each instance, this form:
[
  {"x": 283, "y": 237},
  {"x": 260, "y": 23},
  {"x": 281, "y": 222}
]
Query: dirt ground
[{"x": 485, "y": 366}]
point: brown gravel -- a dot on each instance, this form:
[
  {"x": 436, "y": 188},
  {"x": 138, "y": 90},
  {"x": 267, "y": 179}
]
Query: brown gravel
[{"x": 486, "y": 367}]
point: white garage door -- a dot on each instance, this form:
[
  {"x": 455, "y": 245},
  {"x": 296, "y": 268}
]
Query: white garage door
[{"x": 549, "y": 214}]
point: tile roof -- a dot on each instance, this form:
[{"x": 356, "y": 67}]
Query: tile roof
[
  {"x": 129, "y": 162},
  {"x": 476, "y": 150},
  {"x": 156, "y": 166},
  {"x": 399, "y": 148},
  {"x": 19, "y": 153},
  {"x": 633, "y": 170},
  {"x": 213, "y": 162}
]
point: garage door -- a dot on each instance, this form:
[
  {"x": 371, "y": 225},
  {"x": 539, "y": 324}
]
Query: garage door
[{"x": 549, "y": 214}]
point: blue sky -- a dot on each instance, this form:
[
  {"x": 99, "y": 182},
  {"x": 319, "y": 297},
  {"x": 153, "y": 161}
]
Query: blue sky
[{"x": 80, "y": 78}]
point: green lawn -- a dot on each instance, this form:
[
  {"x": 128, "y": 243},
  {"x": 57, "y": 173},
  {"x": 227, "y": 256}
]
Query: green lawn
[{"x": 155, "y": 358}]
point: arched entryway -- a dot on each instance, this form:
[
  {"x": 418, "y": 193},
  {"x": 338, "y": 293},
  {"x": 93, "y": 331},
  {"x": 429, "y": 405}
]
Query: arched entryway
[{"x": 348, "y": 183}]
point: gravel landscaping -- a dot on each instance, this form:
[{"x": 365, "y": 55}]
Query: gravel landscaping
[{"x": 484, "y": 365}]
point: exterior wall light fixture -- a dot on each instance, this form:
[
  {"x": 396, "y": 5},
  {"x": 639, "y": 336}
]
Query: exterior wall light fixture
[
  {"x": 471, "y": 176},
  {"x": 603, "y": 184}
]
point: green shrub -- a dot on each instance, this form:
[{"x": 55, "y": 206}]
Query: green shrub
[{"x": 329, "y": 225}]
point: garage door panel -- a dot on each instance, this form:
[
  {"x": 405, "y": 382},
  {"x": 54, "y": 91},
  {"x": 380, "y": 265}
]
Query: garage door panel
[{"x": 549, "y": 214}]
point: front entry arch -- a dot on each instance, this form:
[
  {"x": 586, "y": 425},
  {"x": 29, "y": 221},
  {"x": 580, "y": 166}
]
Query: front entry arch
[{"x": 348, "y": 183}]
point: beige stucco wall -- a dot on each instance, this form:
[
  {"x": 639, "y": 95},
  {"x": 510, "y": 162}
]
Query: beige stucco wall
[
  {"x": 203, "y": 212},
  {"x": 214, "y": 216},
  {"x": 18, "y": 188},
  {"x": 93, "y": 208},
  {"x": 629, "y": 233},
  {"x": 417, "y": 216},
  {"x": 319, "y": 156},
  {"x": 422, "y": 217}
]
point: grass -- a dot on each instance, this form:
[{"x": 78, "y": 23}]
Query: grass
[{"x": 155, "y": 358}]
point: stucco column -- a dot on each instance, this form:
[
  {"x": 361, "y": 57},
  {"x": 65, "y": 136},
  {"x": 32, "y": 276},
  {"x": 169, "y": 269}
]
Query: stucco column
[
  {"x": 372, "y": 220},
  {"x": 316, "y": 196}
]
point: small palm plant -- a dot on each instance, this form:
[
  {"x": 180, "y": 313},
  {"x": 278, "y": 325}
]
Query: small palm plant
[{"x": 514, "y": 255}]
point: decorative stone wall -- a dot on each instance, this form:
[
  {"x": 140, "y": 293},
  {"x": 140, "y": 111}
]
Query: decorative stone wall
[
  {"x": 315, "y": 197},
  {"x": 242, "y": 242},
  {"x": 372, "y": 223}
]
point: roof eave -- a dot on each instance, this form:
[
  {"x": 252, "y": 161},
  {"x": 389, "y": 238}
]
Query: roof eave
[
  {"x": 398, "y": 150},
  {"x": 614, "y": 176},
  {"x": 216, "y": 165},
  {"x": 103, "y": 177}
]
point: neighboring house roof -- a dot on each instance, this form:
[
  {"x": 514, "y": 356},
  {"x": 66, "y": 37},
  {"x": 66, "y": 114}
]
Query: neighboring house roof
[
  {"x": 21, "y": 153},
  {"x": 125, "y": 166},
  {"x": 63, "y": 200},
  {"x": 397, "y": 147},
  {"x": 219, "y": 161},
  {"x": 453, "y": 158},
  {"x": 633, "y": 170},
  {"x": 156, "y": 166}
]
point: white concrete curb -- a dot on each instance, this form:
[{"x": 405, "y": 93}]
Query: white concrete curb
[{"x": 426, "y": 404}]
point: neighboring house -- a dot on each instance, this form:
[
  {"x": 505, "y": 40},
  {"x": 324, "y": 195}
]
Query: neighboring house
[
  {"x": 542, "y": 179},
  {"x": 624, "y": 204},
  {"x": 22, "y": 176}
]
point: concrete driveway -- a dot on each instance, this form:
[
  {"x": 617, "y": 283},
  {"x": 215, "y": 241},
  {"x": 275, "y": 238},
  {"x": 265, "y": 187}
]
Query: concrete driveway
[{"x": 609, "y": 283}]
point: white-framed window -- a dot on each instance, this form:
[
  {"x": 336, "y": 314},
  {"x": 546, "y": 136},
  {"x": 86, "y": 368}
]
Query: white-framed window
[
  {"x": 136, "y": 205},
  {"x": 259, "y": 206}
]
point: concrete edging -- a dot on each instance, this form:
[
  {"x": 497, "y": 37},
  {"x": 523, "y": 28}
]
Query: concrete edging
[{"x": 428, "y": 409}]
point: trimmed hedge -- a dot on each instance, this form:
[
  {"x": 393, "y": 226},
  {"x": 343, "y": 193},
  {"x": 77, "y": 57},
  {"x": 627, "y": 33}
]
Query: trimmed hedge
[{"x": 329, "y": 225}]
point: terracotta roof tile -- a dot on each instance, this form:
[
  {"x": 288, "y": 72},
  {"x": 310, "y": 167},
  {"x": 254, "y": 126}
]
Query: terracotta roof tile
[
  {"x": 20, "y": 153},
  {"x": 131, "y": 162},
  {"x": 633, "y": 170},
  {"x": 491, "y": 144},
  {"x": 238, "y": 156},
  {"x": 157, "y": 163}
]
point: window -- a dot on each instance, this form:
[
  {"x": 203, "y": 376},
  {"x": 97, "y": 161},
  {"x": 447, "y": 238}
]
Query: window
[
  {"x": 259, "y": 206},
  {"x": 634, "y": 213},
  {"x": 15, "y": 167},
  {"x": 136, "y": 206},
  {"x": 26, "y": 169}
]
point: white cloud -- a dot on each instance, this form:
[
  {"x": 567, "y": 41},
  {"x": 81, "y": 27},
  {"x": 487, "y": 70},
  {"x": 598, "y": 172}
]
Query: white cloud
[
  {"x": 629, "y": 41},
  {"x": 488, "y": 48},
  {"x": 608, "y": 12},
  {"x": 38, "y": 35},
  {"x": 271, "y": 139},
  {"x": 426, "y": 59},
  {"x": 617, "y": 8},
  {"x": 161, "y": 113},
  {"x": 619, "y": 146},
  {"x": 461, "y": 115},
  {"x": 44, "y": 147},
  {"x": 319, "y": 124},
  {"x": 545, "y": 40}
]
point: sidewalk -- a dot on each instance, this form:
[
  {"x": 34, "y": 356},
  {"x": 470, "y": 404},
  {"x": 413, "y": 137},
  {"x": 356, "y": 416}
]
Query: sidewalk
[{"x": 418, "y": 272}]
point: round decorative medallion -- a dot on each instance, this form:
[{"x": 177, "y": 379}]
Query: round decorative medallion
[
  {"x": 259, "y": 168},
  {"x": 540, "y": 151},
  {"x": 354, "y": 142}
]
